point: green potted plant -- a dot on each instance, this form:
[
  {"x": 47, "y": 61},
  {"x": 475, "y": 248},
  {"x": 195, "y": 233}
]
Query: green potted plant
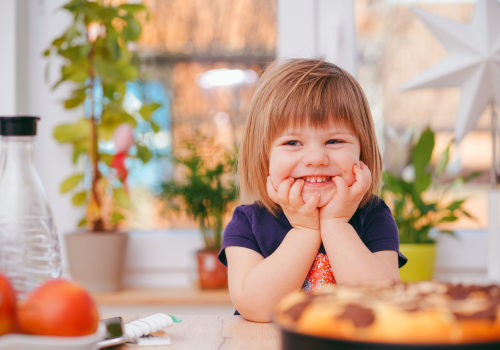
[
  {"x": 204, "y": 189},
  {"x": 97, "y": 63},
  {"x": 421, "y": 202}
]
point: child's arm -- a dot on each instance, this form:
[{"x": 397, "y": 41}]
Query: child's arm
[
  {"x": 257, "y": 284},
  {"x": 352, "y": 262}
]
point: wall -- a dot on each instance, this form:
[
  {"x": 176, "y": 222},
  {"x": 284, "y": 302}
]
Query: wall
[
  {"x": 8, "y": 57},
  {"x": 166, "y": 259},
  {"x": 39, "y": 22}
]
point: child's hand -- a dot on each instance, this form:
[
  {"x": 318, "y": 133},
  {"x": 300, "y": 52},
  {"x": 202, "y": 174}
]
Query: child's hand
[
  {"x": 300, "y": 214},
  {"x": 346, "y": 199}
]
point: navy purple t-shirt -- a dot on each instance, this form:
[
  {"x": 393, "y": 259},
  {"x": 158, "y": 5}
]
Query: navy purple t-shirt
[{"x": 254, "y": 227}]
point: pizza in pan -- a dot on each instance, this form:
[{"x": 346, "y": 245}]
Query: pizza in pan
[{"x": 416, "y": 313}]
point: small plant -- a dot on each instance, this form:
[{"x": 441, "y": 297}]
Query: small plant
[
  {"x": 420, "y": 202},
  {"x": 97, "y": 64},
  {"x": 205, "y": 187}
]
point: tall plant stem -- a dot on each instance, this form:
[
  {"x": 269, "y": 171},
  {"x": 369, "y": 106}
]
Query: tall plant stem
[{"x": 97, "y": 222}]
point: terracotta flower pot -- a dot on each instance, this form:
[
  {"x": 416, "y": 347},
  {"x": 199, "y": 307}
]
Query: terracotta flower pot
[{"x": 212, "y": 273}]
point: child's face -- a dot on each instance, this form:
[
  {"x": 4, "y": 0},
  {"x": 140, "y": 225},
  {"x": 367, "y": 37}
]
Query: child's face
[{"x": 315, "y": 155}]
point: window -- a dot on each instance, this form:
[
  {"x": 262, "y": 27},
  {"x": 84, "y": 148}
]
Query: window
[
  {"x": 205, "y": 57},
  {"x": 394, "y": 46}
]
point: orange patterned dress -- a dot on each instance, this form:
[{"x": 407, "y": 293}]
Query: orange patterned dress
[{"x": 319, "y": 275}]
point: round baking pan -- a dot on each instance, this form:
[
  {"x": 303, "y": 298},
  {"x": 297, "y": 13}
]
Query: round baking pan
[{"x": 295, "y": 341}]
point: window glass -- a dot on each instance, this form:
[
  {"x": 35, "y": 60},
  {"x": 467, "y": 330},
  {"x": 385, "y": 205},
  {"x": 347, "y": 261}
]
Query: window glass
[
  {"x": 394, "y": 46},
  {"x": 202, "y": 60}
]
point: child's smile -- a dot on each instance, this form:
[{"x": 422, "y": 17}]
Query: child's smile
[
  {"x": 315, "y": 156},
  {"x": 316, "y": 179}
]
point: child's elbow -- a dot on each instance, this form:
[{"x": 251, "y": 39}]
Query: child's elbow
[
  {"x": 252, "y": 312},
  {"x": 255, "y": 316}
]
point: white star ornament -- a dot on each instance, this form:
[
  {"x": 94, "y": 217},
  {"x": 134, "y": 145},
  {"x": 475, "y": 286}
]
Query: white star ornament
[{"x": 473, "y": 61}]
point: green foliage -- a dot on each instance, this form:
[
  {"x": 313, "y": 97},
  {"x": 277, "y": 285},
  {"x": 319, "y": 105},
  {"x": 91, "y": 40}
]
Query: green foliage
[
  {"x": 421, "y": 205},
  {"x": 95, "y": 51},
  {"x": 206, "y": 191}
]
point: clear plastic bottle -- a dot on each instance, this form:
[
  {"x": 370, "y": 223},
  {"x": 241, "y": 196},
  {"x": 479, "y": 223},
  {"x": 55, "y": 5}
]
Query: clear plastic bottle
[{"x": 29, "y": 246}]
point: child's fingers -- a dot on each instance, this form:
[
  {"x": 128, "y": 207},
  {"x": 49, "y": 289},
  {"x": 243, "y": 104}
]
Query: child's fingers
[
  {"x": 340, "y": 184},
  {"x": 271, "y": 191},
  {"x": 312, "y": 203},
  {"x": 295, "y": 194},
  {"x": 284, "y": 191},
  {"x": 363, "y": 179}
]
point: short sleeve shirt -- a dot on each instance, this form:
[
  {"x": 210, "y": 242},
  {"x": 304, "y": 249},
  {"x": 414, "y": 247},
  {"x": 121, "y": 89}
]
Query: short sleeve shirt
[{"x": 254, "y": 227}]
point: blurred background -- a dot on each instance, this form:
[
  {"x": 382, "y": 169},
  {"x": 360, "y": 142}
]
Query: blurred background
[{"x": 200, "y": 60}]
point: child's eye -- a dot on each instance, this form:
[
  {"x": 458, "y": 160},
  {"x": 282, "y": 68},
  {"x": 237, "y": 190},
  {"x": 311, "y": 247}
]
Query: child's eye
[
  {"x": 292, "y": 143},
  {"x": 334, "y": 141}
]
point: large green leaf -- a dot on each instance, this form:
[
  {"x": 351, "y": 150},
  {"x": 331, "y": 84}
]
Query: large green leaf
[
  {"x": 155, "y": 127},
  {"x": 132, "y": 8},
  {"x": 147, "y": 110},
  {"x": 79, "y": 148},
  {"x": 77, "y": 70},
  {"x": 78, "y": 131},
  {"x": 393, "y": 183},
  {"x": 422, "y": 152},
  {"x": 79, "y": 198},
  {"x": 75, "y": 100},
  {"x": 443, "y": 160},
  {"x": 422, "y": 182},
  {"x": 121, "y": 197},
  {"x": 71, "y": 182},
  {"x": 106, "y": 158},
  {"x": 143, "y": 153},
  {"x": 116, "y": 218},
  {"x": 83, "y": 222},
  {"x": 132, "y": 30},
  {"x": 456, "y": 204}
]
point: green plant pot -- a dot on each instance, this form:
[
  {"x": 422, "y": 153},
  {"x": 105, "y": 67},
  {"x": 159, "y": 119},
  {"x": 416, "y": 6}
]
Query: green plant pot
[{"x": 421, "y": 261}]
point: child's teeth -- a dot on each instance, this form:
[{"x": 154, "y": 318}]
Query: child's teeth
[{"x": 316, "y": 179}]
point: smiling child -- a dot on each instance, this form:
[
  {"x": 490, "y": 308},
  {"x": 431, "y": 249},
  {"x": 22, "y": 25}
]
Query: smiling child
[{"x": 310, "y": 167}]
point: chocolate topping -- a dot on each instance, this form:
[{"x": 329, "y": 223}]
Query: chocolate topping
[
  {"x": 458, "y": 292},
  {"x": 296, "y": 310},
  {"x": 487, "y": 314},
  {"x": 359, "y": 315}
]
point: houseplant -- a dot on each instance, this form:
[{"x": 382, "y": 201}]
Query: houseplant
[
  {"x": 204, "y": 189},
  {"x": 97, "y": 63},
  {"x": 420, "y": 201}
]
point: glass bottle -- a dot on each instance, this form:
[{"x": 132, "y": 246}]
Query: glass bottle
[{"x": 29, "y": 246}]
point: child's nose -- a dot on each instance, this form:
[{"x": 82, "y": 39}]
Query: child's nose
[{"x": 315, "y": 156}]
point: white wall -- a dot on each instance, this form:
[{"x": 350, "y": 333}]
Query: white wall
[
  {"x": 7, "y": 57},
  {"x": 38, "y": 23}
]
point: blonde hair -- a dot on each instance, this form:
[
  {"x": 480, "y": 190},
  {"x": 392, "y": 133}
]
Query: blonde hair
[{"x": 294, "y": 93}]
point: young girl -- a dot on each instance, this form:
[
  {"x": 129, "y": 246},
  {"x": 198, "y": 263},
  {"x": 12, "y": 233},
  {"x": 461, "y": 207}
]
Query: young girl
[{"x": 310, "y": 163}]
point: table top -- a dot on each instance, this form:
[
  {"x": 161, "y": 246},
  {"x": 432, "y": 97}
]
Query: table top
[
  {"x": 158, "y": 296},
  {"x": 222, "y": 332}
]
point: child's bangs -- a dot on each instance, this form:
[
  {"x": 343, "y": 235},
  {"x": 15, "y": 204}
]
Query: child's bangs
[{"x": 316, "y": 105}]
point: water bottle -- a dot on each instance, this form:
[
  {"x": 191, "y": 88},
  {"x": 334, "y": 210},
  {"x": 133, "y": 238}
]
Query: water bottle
[{"x": 29, "y": 246}]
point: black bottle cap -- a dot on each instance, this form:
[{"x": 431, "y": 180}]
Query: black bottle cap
[{"x": 18, "y": 125}]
